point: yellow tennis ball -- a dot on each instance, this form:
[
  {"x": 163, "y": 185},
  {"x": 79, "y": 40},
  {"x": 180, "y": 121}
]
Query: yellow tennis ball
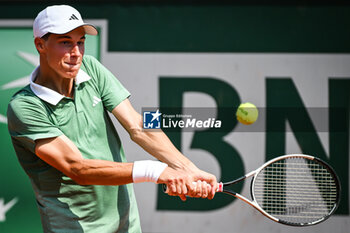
[{"x": 247, "y": 113}]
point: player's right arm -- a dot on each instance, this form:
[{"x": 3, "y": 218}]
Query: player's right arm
[
  {"x": 62, "y": 154},
  {"x": 30, "y": 127}
]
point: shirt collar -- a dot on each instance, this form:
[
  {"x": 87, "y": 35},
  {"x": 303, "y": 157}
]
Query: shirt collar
[{"x": 49, "y": 95}]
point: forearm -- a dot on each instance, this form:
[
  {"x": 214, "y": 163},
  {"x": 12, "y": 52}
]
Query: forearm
[
  {"x": 159, "y": 145},
  {"x": 100, "y": 172},
  {"x": 155, "y": 143}
]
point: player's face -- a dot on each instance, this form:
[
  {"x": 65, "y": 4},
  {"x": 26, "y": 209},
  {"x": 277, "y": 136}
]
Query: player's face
[{"x": 64, "y": 53}]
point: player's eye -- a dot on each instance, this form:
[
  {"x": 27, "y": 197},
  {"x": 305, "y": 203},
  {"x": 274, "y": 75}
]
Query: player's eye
[{"x": 65, "y": 42}]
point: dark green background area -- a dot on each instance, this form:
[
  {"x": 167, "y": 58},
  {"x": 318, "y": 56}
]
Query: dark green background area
[{"x": 211, "y": 26}]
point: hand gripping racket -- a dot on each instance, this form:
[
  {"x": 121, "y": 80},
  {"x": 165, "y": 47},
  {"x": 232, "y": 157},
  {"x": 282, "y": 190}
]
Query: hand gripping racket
[{"x": 296, "y": 190}]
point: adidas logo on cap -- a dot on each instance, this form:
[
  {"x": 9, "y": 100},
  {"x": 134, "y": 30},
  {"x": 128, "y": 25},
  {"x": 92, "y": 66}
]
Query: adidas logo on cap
[{"x": 73, "y": 17}]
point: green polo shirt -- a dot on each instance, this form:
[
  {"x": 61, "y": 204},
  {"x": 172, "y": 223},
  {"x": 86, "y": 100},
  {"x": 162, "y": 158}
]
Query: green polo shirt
[{"x": 36, "y": 112}]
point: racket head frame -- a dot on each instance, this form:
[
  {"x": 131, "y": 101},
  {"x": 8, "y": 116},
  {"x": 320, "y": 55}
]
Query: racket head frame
[{"x": 256, "y": 205}]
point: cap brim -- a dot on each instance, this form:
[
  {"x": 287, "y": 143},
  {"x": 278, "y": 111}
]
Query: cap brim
[{"x": 90, "y": 29}]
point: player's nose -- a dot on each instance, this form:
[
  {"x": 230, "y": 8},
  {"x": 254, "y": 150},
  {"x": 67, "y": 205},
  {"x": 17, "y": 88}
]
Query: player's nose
[{"x": 76, "y": 50}]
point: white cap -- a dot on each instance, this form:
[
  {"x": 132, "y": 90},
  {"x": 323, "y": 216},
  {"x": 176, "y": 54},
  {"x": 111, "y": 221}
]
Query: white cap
[{"x": 60, "y": 20}]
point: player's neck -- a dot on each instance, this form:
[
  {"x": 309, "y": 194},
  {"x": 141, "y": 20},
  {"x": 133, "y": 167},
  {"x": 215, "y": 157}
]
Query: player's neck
[{"x": 49, "y": 78}]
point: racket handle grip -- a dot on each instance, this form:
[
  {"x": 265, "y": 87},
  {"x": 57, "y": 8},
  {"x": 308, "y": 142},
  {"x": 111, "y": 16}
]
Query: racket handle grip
[{"x": 219, "y": 189}]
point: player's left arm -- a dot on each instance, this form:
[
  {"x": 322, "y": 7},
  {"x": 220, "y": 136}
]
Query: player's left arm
[{"x": 159, "y": 145}]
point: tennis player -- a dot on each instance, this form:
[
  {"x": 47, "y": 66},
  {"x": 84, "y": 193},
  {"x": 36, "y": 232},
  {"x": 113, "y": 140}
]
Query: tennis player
[{"x": 67, "y": 144}]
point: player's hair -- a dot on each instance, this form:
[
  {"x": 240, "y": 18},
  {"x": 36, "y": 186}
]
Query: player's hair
[{"x": 46, "y": 36}]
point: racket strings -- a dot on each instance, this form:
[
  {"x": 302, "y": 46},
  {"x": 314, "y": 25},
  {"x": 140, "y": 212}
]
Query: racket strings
[{"x": 296, "y": 190}]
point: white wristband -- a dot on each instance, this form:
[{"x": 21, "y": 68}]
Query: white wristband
[{"x": 147, "y": 171}]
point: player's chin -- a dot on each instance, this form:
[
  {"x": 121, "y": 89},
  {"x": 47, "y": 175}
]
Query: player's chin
[
  {"x": 71, "y": 74},
  {"x": 71, "y": 71}
]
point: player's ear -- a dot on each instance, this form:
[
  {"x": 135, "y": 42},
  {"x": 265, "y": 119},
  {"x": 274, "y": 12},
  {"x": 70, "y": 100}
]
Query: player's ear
[{"x": 39, "y": 44}]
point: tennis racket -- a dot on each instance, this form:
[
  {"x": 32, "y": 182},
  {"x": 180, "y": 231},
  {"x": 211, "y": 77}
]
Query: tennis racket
[{"x": 296, "y": 190}]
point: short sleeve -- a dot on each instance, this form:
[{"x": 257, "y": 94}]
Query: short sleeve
[
  {"x": 111, "y": 90},
  {"x": 29, "y": 121}
]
